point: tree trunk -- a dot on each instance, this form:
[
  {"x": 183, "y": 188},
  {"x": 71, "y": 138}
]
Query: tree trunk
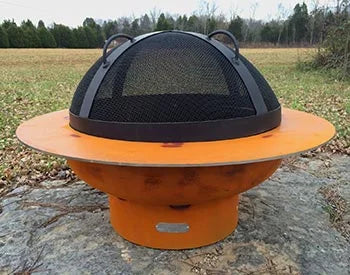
[
  {"x": 312, "y": 31},
  {"x": 279, "y": 36}
]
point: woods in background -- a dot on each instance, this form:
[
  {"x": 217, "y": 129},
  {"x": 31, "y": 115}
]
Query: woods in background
[
  {"x": 302, "y": 27},
  {"x": 335, "y": 49}
]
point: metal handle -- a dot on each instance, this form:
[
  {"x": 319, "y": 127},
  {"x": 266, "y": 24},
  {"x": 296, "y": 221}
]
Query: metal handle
[
  {"x": 230, "y": 35},
  {"x": 107, "y": 42}
]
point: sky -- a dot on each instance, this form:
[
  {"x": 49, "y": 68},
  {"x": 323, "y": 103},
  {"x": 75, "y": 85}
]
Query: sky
[{"x": 73, "y": 12}]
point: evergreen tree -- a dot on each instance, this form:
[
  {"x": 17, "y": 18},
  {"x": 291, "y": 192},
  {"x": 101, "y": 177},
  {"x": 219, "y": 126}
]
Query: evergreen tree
[
  {"x": 41, "y": 24},
  {"x": 211, "y": 24},
  {"x": 193, "y": 24},
  {"x": 94, "y": 33},
  {"x": 135, "y": 28},
  {"x": 30, "y": 35},
  {"x": 7, "y": 23},
  {"x": 163, "y": 23},
  {"x": 181, "y": 22},
  {"x": 89, "y": 22},
  {"x": 46, "y": 38},
  {"x": 171, "y": 22},
  {"x": 299, "y": 23},
  {"x": 100, "y": 36},
  {"x": 4, "y": 41},
  {"x": 91, "y": 36},
  {"x": 270, "y": 32},
  {"x": 235, "y": 27},
  {"x": 80, "y": 37},
  {"x": 15, "y": 36},
  {"x": 63, "y": 36},
  {"x": 109, "y": 28},
  {"x": 145, "y": 24}
]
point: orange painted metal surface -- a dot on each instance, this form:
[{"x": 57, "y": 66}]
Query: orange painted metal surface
[
  {"x": 205, "y": 199},
  {"x": 207, "y": 223},
  {"x": 173, "y": 185},
  {"x": 297, "y": 133},
  {"x": 175, "y": 195}
]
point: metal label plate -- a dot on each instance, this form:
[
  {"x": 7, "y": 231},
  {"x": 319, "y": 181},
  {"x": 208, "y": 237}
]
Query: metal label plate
[{"x": 172, "y": 227}]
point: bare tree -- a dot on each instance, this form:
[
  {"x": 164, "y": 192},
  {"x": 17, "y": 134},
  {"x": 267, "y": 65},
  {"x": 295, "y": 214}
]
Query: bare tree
[
  {"x": 221, "y": 21},
  {"x": 234, "y": 10},
  {"x": 154, "y": 14},
  {"x": 206, "y": 11},
  {"x": 338, "y": 6},
  {"x": 282, "y": 15},
  {"x": 253, "y": 6},
  {"x": 315, "y": 7}
]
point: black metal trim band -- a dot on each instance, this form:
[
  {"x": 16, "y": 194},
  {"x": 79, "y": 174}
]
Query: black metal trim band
[
  {"x": 102, "y": 71},
  {"x": 179, "y": 132},
  {"x": 249, "y": 81}
]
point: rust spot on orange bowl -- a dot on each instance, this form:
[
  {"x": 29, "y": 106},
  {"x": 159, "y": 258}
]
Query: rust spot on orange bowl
[
  {"x": 231, "y": 171},
  {"x": 75, "y": 135},
  {"x": 152, "y": 183},
  {"x": 172, "y": 144},
  {"x": 190, "y": 174},
  {"x": 267, "y": 136}
]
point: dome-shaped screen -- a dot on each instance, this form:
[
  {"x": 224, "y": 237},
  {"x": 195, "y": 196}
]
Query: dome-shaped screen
[{"x": 173, "y": 86}]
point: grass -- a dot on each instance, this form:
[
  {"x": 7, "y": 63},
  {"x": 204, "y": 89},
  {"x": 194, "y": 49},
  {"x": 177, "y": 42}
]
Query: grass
[
  {"x": 314, "y": 91},
  {"x": 37, "y": 81}
]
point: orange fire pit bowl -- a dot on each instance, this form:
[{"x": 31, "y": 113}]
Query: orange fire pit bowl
[
  {"x": 175, "y": 195},
  {"x": 173, "y": 126}
]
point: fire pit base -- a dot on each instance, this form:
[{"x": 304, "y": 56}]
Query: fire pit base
[
  {"x": 174, "y": 227},
  {"x": 174, "y": 207}
]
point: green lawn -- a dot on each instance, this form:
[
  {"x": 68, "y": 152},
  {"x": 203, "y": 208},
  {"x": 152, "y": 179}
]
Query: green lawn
[{"x": 34, "y": 82}]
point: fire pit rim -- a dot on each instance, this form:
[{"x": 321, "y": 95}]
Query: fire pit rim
[{"x": 310, "y": 132}]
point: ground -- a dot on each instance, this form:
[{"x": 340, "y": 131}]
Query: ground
[
  {"x": 285, "y": 227},
  {"x": 297, "y": 222}
]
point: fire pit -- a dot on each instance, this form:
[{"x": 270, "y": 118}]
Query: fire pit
[{"x": 173, "y": 126}]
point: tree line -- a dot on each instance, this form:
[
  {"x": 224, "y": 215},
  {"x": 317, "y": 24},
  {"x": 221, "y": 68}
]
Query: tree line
[{"x": 301, "y": 27}]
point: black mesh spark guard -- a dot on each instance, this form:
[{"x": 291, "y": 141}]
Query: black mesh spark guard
[{"x": 173, "y": 86}]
